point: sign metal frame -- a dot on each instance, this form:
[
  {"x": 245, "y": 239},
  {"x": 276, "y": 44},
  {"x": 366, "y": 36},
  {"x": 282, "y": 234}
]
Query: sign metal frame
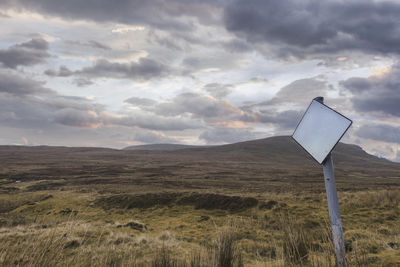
[{"x": 333, "y": 147}]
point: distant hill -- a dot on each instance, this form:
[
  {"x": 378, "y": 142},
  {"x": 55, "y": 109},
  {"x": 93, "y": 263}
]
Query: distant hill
[
  {"x": 266, "y": 164},
  {"x": 279, "y": 148},
  {"x": 160, "y": 147},
  {"x": 284, "y": 149},
  {"x": 281, "y": 151}
]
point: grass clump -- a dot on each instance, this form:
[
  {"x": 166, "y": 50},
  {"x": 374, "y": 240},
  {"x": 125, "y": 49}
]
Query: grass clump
[
  {"x": 226, "y": 252},
  {"x": 222, "y": 253},
  {"x": 296, "y": 243}
]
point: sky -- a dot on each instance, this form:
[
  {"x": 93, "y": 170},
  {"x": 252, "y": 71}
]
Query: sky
[{"x": 120, "y": 73}]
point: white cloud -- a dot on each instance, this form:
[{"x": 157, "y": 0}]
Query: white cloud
[{"x": 121, "y": 28}]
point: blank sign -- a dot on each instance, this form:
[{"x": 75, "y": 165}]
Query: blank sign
[{"x": 320, "y": 130}]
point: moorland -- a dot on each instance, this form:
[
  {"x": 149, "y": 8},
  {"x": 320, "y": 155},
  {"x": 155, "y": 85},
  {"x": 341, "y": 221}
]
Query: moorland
[{"x": 255, "y": 203}]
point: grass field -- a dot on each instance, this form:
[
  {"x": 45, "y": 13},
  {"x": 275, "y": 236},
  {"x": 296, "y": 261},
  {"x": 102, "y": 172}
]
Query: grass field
[{"x": 237, "y": 205}]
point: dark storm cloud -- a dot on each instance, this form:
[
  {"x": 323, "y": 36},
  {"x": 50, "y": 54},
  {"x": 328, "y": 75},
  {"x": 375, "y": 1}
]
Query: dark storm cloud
[
  {"x": 158, "y": 13},
  {"x": 226, "y": 135},
  {"x": 144, "y": 69},
  {"x": 376, "y": 94},
  {"x": 357, "y": 85},
  {"x": 302, "y": 28},
  {"x": 288, "y": 27},
  {"x": 23, "y": 112},
  {"x": 381, "y": 132},
  {"x": 16, "y": 85},
  {"x": 25, "y": 54}
]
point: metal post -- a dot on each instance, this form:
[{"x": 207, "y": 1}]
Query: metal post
[
  {"x": 333, "y": 206},
  {"x": 334, "y": 213}
]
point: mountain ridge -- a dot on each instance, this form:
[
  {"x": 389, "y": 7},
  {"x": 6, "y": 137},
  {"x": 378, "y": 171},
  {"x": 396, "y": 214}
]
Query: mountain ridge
[
  {"x": 275, "y": 149},
  {"x": 275, "y": 145}
]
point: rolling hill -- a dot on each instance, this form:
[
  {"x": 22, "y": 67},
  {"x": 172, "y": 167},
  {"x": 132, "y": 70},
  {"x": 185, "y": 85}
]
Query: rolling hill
[
  {"x": 258, "y": 165},
  {"x": 279, "y": 149}
]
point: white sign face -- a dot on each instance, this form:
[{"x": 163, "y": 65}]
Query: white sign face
[{"x": 320, "y": 130}]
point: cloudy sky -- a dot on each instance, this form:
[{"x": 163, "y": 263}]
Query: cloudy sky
[{"x": 119, "y": 73}]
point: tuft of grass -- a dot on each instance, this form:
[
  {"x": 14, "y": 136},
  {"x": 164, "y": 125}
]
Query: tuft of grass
[
  {"x": 164, "y": 258},
  {"x": 223, "y": 253},
  {"x": 296, "y": 243},
  {"x": 227, "y": 253}
]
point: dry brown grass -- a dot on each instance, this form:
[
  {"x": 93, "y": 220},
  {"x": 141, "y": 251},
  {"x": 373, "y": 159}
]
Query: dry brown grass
[
  {"x": 288, "y": 227},
  {"x": 292, "y": 232}
]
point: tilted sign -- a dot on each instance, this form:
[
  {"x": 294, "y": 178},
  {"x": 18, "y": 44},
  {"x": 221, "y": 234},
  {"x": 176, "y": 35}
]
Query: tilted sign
[{"x": 320, "y": 130}]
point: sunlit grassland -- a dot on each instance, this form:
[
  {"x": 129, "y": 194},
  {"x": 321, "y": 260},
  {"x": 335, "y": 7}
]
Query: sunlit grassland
[{"x": 68, "y": 228}]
